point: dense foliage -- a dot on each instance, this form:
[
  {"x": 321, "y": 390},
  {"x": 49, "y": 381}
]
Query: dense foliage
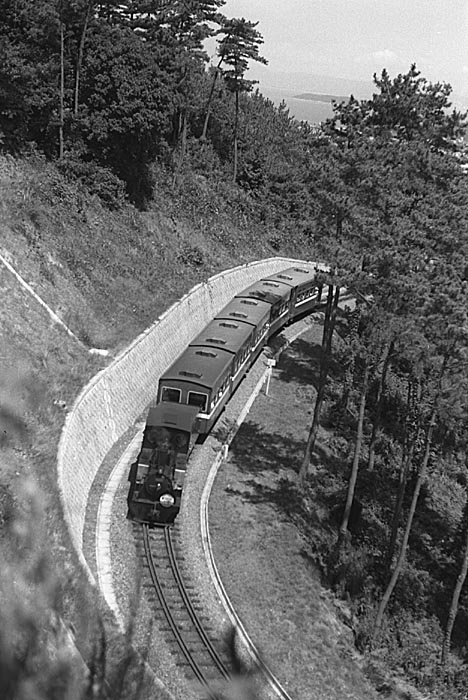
[{"x": 121, "y": 96}]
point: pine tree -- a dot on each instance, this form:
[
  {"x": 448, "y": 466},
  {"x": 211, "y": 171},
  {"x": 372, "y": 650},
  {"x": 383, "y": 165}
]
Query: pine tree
[{"x": 240, "y": 43}]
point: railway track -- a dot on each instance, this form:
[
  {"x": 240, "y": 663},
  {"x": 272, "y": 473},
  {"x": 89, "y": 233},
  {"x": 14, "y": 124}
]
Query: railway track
[{"x": 177, "y": 611}]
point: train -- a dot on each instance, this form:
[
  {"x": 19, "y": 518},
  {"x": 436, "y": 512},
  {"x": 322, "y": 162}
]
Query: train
[{"x": 194, "y": 390}]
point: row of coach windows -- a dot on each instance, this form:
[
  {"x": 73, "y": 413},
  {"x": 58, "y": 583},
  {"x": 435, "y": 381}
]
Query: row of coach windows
[
  {"x": 279, "y": 311},
  {"x": 305, "y": 294},
  {"x": 260, "y": 331},
  {"x": 241, "y": 357},
  {"x": 220, "y": 392}
]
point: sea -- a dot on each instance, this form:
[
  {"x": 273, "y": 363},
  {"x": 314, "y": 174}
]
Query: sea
[{"x": 311, "y": 111}]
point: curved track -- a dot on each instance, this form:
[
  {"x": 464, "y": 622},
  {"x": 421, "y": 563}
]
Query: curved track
[{"x": 177, "y": 611}]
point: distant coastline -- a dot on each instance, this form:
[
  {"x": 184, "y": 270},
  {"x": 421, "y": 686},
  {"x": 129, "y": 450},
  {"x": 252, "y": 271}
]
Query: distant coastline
[{"x": 317, "y": 97}]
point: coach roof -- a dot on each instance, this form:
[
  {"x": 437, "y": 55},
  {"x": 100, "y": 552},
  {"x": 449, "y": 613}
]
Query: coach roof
[
  {"x": 294, "y": 276},
  {"x": 229, "y": 334},
  {"x": 267, "y": 290},
  {"x": 199, "y": 365},
  {"x": 251, "y": 311}
]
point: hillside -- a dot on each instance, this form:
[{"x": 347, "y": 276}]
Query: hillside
[{"x": 107, "y": 274}]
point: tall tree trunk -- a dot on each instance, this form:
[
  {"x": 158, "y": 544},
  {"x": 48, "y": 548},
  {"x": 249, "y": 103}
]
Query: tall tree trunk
[
  {"x": 236, "y": 127},
  {"x": 210, "y": 98},
  {"x": 79, "y": 61},
  {"x": 183, "y": 146},
  {"x": 353, "y": 322},
  {"x": 328, "y": 328},
  {"x": 62, "y": 83},
  {"x": 456, "y": 594},
  {"x": 407, "y": 458},
  {"x": 355, "y": 467},
  {"x": 404, "y": 545},
  {"x": 410, "y": 438},
  {"x": 208, "y": 106},
  {"x": 385, "y": 361}
]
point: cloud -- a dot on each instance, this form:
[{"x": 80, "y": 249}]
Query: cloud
[{"x": 385, "y": 57}]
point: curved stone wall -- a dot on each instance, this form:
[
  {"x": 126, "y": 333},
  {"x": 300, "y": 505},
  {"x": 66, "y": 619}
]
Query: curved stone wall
[{"x": 115, "y": 397}]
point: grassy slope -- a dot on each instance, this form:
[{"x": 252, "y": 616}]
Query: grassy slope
[{"x": 108, "y": 275}]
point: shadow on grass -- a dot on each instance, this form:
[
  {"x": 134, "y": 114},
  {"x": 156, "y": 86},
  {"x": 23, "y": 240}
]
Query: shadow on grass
[
  {"x": 270, "y": 462},
  {"x": 301, "y": 364},
  {"x": 255, "y": 450}
]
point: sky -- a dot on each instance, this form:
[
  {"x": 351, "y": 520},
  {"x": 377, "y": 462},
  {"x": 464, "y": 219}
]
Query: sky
[{"x": 353, "y": 39}]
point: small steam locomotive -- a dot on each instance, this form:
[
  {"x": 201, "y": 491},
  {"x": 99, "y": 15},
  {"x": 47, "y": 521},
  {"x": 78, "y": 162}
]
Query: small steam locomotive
[{"x": 193, "y": 392}]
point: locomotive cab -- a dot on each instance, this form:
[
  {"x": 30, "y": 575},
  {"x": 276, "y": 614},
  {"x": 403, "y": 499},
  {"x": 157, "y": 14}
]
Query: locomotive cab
[{"x": 157, "y": 477}]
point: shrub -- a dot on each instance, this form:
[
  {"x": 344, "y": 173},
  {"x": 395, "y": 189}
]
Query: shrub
[
  {"x": 413, "y": 646},
  {"x": 35, "y": 659},
  {"x": 99, "y": 181}
]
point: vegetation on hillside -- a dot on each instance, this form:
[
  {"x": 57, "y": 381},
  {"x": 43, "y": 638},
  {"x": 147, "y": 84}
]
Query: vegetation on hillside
[{"x": 130, "y": 169}]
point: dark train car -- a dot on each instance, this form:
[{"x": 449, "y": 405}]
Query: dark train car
[
  {"x": 277, "y": 294},
  {"x": 233, "y": 336},
  {"x": 157, "y": 477},
  {"x": 306, "y": 292},
  {"x": 252, "y": 312},
  {"x": 200, "y": 377}
]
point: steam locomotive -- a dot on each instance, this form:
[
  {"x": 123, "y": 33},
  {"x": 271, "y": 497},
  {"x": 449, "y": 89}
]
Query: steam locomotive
[{"x": 193, "y": 392}]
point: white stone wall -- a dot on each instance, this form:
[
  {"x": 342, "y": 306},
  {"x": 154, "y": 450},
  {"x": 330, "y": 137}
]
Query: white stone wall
[{"x": 115, "y": 397}]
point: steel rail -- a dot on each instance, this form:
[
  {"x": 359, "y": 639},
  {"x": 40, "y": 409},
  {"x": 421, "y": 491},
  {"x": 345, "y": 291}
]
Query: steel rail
[
  {"x": 167, "y": 612},
  {"x": 174, "y": 627},
  {"x": 190, "y": 609}
]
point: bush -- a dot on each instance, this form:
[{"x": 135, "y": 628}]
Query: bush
[
  {"x": 350, "y": 574},
  {"x": 413, "y": 646},
  {"x": 36, "y": 660},
  {"x": 99, "y": 181},
  {"x": 7, "y": 506}
]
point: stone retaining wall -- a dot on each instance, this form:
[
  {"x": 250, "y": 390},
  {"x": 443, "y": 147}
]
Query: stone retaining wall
[{"x": 115, "y": 397}]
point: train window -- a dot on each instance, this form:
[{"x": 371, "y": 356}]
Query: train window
[
  {"x": 206, "y": 353},
  {"x": 170, "y": 394},
  {"x": 196, "y": 399}
]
